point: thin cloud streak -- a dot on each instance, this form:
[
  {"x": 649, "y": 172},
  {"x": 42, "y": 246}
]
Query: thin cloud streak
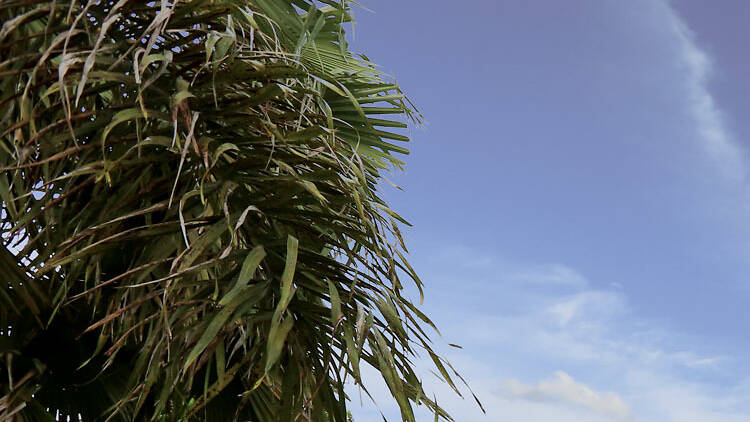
[{"x": 708, "y": 118}]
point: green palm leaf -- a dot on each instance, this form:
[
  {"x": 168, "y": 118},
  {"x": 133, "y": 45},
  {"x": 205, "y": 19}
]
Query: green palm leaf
[{"x": 189, "y": 190}]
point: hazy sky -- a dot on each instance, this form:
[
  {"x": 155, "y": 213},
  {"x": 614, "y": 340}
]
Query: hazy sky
[{"x": 580, "y": 200}]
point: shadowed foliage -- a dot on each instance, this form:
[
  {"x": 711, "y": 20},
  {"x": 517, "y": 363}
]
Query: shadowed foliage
[{"x": 190, "y": 216}]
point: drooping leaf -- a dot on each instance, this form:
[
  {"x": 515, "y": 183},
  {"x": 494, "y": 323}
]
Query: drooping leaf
[{"x": 190, "y": 214}]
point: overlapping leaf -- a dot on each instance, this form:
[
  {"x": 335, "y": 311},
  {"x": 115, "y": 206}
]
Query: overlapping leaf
[{"x": 189, "y": 189}]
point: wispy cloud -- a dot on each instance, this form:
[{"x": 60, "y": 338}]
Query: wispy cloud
[
  {"x": 563, "y": 388},
  {"x": 643, "y": 370},
  {"x": 585, "y": 304},
  {"x": 708, "y": 118},
  {"x": 551, "y": 274}
]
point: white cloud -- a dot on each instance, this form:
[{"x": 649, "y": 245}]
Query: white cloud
[
  {"x": 526, "y": 331},
  {"x": 563, "y": 388},
  {"x": 658, "y": 374},
  {"x": 696, "y": 66},
  {"x": 604, "y": 304},
  {"x": 551, "y": 274},
  {"x": 691, "y": 360}
]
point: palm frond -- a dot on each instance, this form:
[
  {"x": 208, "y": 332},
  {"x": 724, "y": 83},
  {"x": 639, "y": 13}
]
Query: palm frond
[{"x": 191, "y": 187}]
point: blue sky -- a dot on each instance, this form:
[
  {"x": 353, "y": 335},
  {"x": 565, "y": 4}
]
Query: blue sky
[{"x": 580, "y": 204}]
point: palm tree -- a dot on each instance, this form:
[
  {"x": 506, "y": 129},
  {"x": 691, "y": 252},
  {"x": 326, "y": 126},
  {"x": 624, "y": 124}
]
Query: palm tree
[{"x": 190, "y": 214}]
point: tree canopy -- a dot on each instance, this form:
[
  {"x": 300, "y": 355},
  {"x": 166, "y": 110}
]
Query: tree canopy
[{"x": 190, "y": 214}]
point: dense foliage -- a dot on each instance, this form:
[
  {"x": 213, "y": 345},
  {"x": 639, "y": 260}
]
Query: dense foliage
[{"x": 190, "y": 216}]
